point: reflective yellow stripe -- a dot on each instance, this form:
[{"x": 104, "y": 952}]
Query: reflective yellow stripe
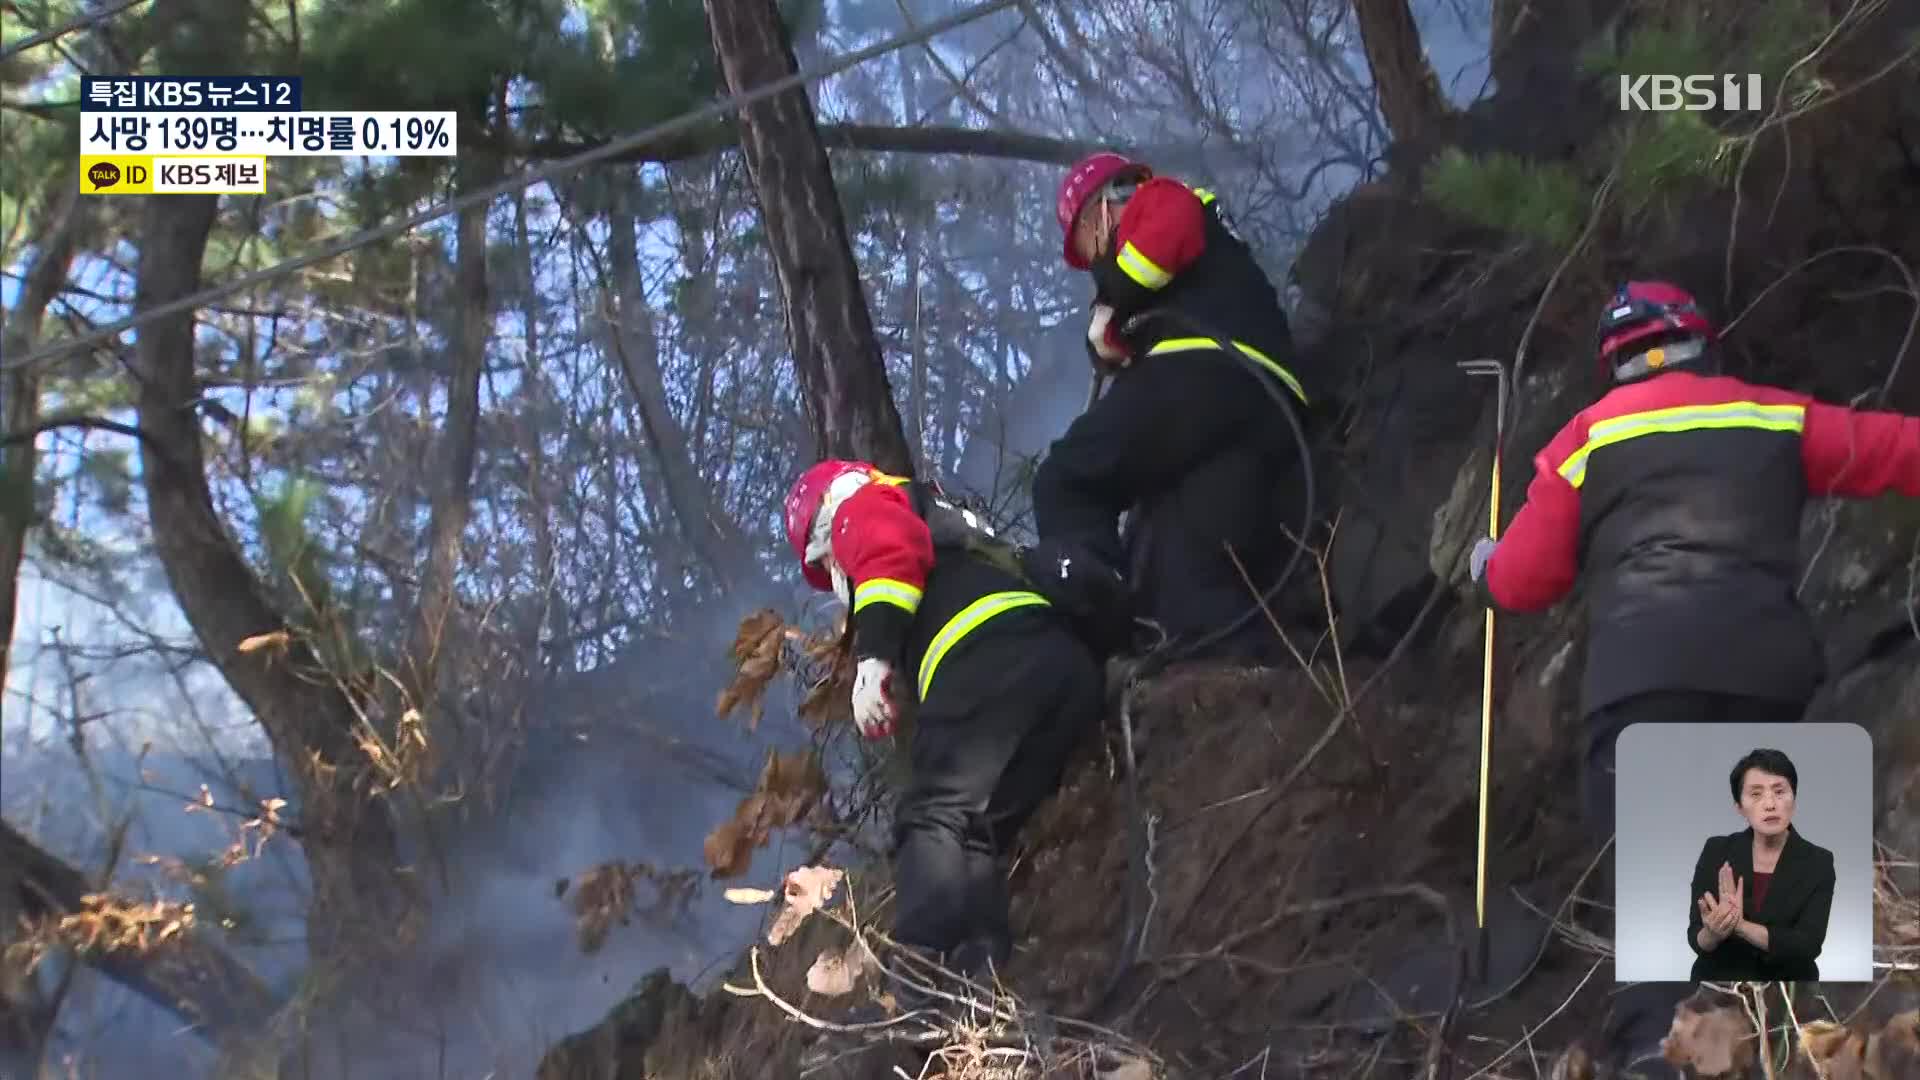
[
  {"x": 1205, "y": 195},
  {"x": 886, "y": 591},
  {"x": 1140, "y": 268},
  {"x": 888, "y": 478},
  {"x": 1731, "y": 414},
  {"x": 966, "y": 622},
  {"x": 1187, "y": 344}
]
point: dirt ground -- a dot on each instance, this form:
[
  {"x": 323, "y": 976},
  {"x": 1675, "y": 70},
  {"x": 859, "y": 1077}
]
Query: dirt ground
[{"x": 1309, "y": 879}]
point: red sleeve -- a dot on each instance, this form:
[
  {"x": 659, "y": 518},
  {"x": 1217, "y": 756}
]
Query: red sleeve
[
  {"x": 1162, "y": 230},
  {"x": 886, "y": 551},
  {"x": 1860, "y": 454},
  {"x": 877, "y": 536},
  {"x": 1164, "y": 226},
  {"x": 1538, "y": 559}
]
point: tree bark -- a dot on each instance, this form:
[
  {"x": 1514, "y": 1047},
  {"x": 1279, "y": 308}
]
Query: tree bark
[
  {"x": 451, "y": 505},
  {"x": 632, "y": 339},
  {"x": 1403, "y": 81},
  {"x": 46, "y": 274},
  {"x": 350, "y": 840},
  {"x": 843, "y": 376},
  {"x": 190, "y": 977}
]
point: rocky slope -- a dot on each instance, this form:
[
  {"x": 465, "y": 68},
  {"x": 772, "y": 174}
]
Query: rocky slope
[{"x": 1314, "y": 834}]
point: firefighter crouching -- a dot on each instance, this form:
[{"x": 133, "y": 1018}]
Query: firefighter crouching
[
  {"x": 1189, "y": 442},
  {"x": 1005, "y": 690},
  {"x": 1679, "y": 495}
]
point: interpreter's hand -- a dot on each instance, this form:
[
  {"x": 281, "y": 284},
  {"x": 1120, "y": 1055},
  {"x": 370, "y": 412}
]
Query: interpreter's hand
[
  {"x": 1105, "y": 353},
  {"x": 1721, "y": 915},
  {"x": 874, "y": 711},
  {"x": 1714, "y": 919},
  {"x": 1732, "y": 893}
]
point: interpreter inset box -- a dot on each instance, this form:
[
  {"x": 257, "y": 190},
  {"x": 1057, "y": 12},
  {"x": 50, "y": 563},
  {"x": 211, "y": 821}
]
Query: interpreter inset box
[{"x": 1743, "y": 853}]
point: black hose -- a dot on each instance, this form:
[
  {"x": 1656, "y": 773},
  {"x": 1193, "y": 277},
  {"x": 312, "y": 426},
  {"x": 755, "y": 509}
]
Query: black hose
[
  {"x": 1134, "y": 931},
  {"x": 1158, "y": 660}
]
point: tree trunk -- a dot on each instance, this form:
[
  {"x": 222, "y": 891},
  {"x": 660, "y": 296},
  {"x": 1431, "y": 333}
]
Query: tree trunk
[
  {"x": 451, "y": 505},
  {"x": 45, "y": 276},
  {"x": 192, "y": 978},
  {"x": 632, "y": 339},
  {"x": 1403, "y": 81},
  {"x": 349, "y": 837},
  {"x": 843, "y": 376}
]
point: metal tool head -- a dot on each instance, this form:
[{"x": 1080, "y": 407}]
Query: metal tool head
[{"x": 1485, "y": 366}]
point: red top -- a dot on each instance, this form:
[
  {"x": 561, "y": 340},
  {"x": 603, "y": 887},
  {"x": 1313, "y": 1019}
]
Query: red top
[
  {"x": 1164, "y": 224},
  {"x": 876, "y": 534},
  {"x": 1760, "y": 883},
  {"x": 1844, "y": 452}
]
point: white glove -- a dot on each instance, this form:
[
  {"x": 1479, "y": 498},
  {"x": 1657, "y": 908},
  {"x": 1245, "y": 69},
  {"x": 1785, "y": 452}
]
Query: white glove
[
  {"x": 1483, "y": 550},
  {"x": 1097, "y": 337},
  {"x": 873, "y": 708}
]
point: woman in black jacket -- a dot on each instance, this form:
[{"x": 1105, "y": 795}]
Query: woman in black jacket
[{"x": 1761, "y": 896}]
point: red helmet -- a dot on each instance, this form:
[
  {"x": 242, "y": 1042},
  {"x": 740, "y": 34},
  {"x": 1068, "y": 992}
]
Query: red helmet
[
  {"x": 1080, "y": 183},
  {"x": 1644, "y": 310},
  {"x": 803, "y": 502}
]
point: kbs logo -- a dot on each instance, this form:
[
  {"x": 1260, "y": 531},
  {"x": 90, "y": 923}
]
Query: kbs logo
[{"x": 1693, "y": 93}]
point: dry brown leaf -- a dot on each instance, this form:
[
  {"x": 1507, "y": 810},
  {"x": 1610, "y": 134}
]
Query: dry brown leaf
[
  {"x": 1714, "y": 1040},
  {"x": 835, "y": 971},
  {"x": 829, "y": 698},
  {"x": 1854, "y": 1052},
  {"x": 756, "y": 656},
  {"x": 728, "y": 848},
  {"x": 750, "y": 896},
  {"x": 273, "y": 639},
  {"x": 109, "y": 924},
  {"x": 1837, "y": 1052},
  {"x": 807, "y": 889},
  {"x": 606, "y": 896},
  {"x": 789, "y": 786}
]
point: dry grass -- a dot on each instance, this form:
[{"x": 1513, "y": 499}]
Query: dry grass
[
  {"x": 981, "y": 1031},
  {"x": 104, "y": 924}
]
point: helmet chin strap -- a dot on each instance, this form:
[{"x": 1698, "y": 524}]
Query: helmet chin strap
[{"x": 1659, "y": 358}]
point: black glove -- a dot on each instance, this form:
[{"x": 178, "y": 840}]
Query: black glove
[{"x": 1086, "y": 589}]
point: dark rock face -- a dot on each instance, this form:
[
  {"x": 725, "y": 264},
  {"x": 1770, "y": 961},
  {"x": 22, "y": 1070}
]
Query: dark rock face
[{"x": 617, "y": 1048}]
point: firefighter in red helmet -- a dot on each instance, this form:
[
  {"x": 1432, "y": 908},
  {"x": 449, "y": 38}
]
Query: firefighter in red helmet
[
  {"x": 1005, "y": 690},
  {"x": 1186, "y": 442},
  {"x": 1678, "y": 495}
]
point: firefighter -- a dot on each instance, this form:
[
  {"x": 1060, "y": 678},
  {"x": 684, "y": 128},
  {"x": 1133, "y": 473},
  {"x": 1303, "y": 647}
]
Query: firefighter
[
  {"x": 1188, "y": 443},
  {"x": 1004, "y": 691},
  {"x": 1678, "y": 496}
]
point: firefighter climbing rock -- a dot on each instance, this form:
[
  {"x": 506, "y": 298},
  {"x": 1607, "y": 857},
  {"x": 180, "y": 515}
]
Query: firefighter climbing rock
[
  {"x": 1004, "y": 691},
  {"x": 1187, "y": 442},
  {"x": 1678, "y": 495}
]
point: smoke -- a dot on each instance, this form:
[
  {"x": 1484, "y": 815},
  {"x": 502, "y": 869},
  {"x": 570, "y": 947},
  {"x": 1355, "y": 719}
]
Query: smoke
[{"x": 633, "y": 766}]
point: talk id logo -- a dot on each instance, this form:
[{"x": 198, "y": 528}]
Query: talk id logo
[{"x": 1692, "y": 93}]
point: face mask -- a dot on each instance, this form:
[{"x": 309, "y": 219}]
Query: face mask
[{"x": 820, "y": 537}]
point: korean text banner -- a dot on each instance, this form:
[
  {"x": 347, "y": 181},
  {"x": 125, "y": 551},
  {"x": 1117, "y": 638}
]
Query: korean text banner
[{"x": 309, "y": 134}]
